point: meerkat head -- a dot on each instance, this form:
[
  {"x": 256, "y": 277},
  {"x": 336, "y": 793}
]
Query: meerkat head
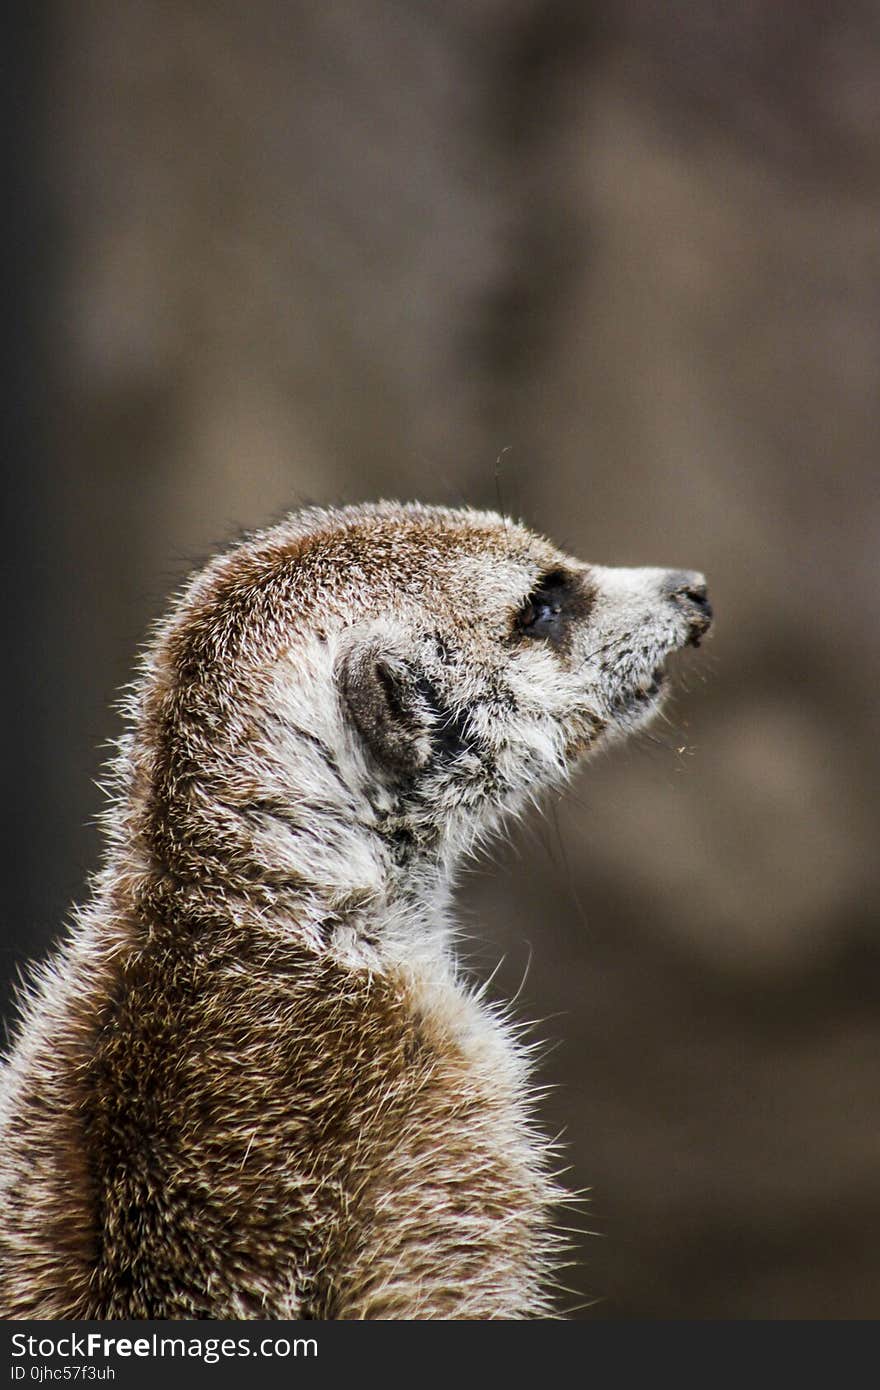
[{"x": 355, "y": 693}]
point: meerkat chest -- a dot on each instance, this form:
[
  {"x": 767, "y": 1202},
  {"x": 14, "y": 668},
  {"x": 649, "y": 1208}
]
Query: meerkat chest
[
  {"x": 478, "y": 1075},
  {"x": 457, "y": 1215},
  {"x": 467, "y": 1033}
]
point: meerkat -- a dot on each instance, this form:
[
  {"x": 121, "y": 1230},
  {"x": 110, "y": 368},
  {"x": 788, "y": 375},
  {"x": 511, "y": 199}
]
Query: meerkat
[{"x": 253, "y": 1082}]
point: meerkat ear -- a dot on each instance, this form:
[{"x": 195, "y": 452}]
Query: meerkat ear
[{"x": 381, "y": 694}]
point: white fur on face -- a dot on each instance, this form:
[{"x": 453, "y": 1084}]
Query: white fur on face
[
  {"x": 537, "y": 708},
  {"x": 529, "y": 709},
  {"x": 497, "y": 713},
  {"x": 633, "y": 627}
]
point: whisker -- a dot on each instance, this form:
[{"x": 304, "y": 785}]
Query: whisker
[{"x": 501, "y": 507}]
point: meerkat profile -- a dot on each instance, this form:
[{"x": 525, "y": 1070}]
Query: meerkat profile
[{"x": 252, "y": 1083}]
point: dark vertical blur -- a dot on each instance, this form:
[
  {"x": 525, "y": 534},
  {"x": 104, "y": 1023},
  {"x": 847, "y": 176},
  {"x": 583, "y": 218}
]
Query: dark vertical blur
[
  {"x": 39, "y": 873},
  {"x": 616, "y": 266}
]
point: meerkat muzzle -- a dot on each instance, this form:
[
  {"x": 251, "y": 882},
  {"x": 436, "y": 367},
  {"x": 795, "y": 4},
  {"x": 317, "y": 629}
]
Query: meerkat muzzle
[{"x": 687, "y": 590}]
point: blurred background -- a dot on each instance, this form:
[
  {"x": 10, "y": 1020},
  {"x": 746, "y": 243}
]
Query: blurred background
[{"x": 287, "y": 251}]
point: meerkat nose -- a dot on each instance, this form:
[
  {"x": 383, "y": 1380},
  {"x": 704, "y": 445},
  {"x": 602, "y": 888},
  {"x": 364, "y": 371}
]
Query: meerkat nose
[{"x": 687, "y": 590}]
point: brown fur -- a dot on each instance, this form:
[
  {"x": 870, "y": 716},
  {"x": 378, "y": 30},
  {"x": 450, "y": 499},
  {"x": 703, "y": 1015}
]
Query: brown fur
[{"x": 252, "y": 1083}]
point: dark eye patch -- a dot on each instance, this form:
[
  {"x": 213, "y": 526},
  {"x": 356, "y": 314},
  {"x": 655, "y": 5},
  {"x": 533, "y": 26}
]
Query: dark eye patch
[{"x": 545, "y": 611}]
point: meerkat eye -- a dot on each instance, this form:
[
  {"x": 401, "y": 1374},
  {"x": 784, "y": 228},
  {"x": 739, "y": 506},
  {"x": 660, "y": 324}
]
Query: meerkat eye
[{"x": 541, "y": 614}]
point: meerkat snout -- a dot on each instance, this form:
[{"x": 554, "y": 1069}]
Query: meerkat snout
[
  {"x": 254, "y": 1082},
  {"x": 688, "y": 589}
]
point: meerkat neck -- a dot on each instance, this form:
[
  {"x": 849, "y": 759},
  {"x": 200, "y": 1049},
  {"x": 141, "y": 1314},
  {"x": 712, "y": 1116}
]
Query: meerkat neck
[{"x": 360, "y": 902}]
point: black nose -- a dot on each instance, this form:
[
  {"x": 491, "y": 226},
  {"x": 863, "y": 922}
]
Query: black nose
[{"x": 687, "y": 590}]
